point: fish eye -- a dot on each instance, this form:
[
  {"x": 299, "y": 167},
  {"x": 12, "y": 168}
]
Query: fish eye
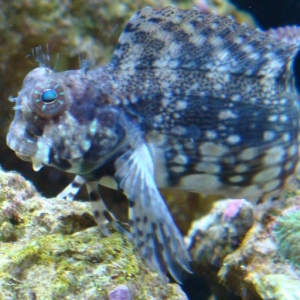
[
  {"x": 48, "y": 99},
  {"x": 49, "y": 96}
]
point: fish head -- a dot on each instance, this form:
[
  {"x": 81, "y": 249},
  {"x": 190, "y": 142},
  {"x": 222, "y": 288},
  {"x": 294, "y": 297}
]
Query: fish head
[{"x": 62, "y": 120}]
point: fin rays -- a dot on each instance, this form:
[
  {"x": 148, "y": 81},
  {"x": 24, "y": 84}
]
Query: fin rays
[{"x": 153, "y": 230}]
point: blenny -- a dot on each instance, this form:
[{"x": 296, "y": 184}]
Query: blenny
[{"x": 189, "y": 100}]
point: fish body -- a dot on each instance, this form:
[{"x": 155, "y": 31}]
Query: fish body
[{"x": 189, "y": 100}]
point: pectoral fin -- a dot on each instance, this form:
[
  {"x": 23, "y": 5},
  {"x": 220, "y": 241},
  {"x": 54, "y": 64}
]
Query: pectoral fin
[{"x": 153, "y": 229}]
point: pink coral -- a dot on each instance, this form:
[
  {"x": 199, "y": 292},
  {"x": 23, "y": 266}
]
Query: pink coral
[
  {"x": 232, "y": 209},
  {"x": 120, "y": 293}
]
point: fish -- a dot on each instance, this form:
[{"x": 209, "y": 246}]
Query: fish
[{"x": 189, "y": 100}]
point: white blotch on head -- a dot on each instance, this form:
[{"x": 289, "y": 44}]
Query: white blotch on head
[
  {"x": 43, "y": 151},
  {"x": 93, "y": 126},
  {"x": 85, "y": 145}
]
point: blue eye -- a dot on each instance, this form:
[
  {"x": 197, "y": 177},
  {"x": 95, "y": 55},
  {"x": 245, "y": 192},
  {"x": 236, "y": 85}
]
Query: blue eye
[{"x": 49, "y": 96}]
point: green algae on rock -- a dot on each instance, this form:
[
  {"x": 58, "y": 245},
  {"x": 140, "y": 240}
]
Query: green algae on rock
[
  {"x": 214, "y": 236},
  {"x": 265, "y": 262},
  {"x": 287, "y": 233},
  {"x": 63, "y": 265},
  {"x": 277, "y": 286},
  {"x": 51, "y": 249},
  {"x": 257, "y": 270}
]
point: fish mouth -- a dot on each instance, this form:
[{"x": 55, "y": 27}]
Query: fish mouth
[
  {"x": 37, "y": 164},
  {"x": 27, "y": 149},
  {"x": 24, "y": 147},
  {"x": 24, "y": 157}
]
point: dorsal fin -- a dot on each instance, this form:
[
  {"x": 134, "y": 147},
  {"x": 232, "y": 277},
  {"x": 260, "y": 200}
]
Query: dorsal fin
[
  {"x": 288, "y": 34},
  {"x": 190, "y": 39}
]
